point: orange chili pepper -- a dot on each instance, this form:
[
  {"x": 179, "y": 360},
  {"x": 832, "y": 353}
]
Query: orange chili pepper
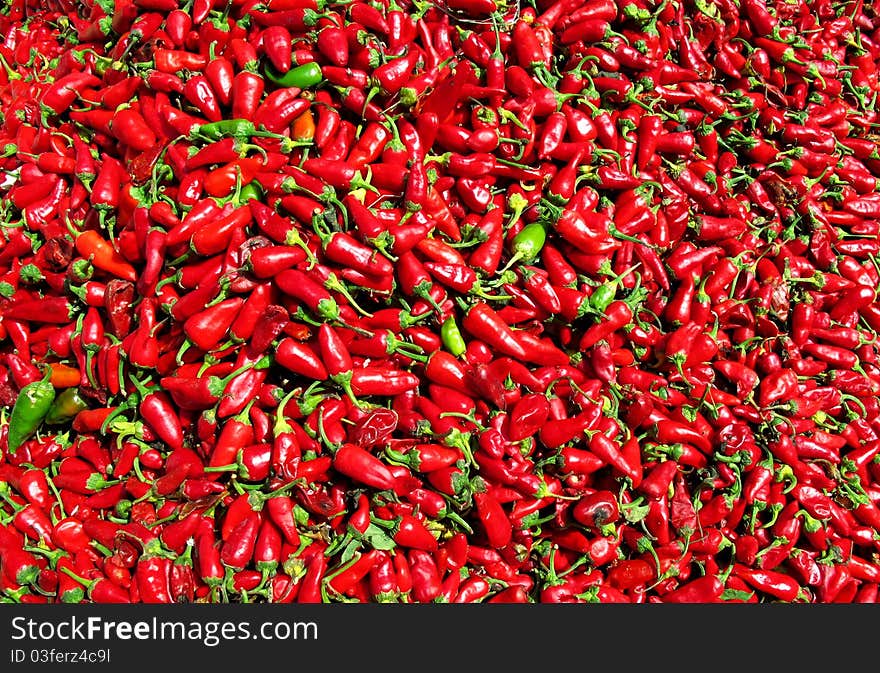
[
  {"x": 298, "y": 331},
  {"x": 103, "y": 255},
  {"x": 303, "y": 127},
  {"x": 64, "y": 376}
]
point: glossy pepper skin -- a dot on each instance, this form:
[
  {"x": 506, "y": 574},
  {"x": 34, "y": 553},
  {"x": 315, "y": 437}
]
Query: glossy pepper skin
[
  {"x": 476, "y": 302},
  {"x": 33, "y": 403}
]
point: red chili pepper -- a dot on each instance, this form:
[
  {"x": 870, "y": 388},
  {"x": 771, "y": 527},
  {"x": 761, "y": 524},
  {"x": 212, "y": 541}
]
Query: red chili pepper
[
  {"x": 237, "y": 432},
  {"x": 206, "y": 328},
  {"x": 173, "y": 60},
  {"x": 300, "y": 286},
  {"x": 484, "y": 324},
  {"x": 777, "y": 385},
  {"x": 238, "y": 548},
  {"x": 62, "y": 93},
  {"x": 496, "y": 524},
  {"x": 706, "y": 589},
  {"x": 153, "y": 576},
  {"x": 278, "y": 109},
  {"x": 618, "y": 314},
  {"x": 362, "y": 466},
  {"x": 777, "y": 584}
]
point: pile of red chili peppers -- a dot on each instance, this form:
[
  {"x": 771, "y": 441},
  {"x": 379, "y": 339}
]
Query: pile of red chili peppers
[{"x": 439, "y": 301}]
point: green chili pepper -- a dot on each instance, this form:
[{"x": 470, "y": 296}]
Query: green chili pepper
[
  {"x": 528, "y": 241},
  {"x": 452, "y": 338},
  {"x": 302, "y": 76},
  {"x": 67, "y": 405},
  {"x": 602, "y": 296},
  {"x": 31, "y": 407},
  {"x": 236, "y": 128},
  {"x": 230, "y": 128},
  {"x": 250, "y": 192}
]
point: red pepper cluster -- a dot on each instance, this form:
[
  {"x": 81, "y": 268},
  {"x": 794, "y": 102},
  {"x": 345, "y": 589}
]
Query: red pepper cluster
[{"x": 454, "y": 301}]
